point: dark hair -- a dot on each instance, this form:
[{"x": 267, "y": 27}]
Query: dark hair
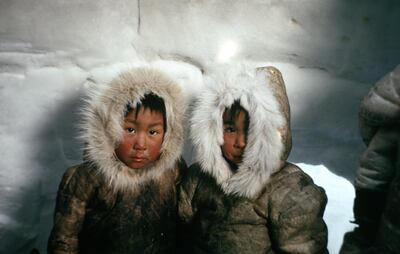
[
  {"x": 150, "y": 101},
  {"x": 233, "y": 111}
]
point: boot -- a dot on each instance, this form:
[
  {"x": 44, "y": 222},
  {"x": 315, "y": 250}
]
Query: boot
[
  {"x": 368, "y": 208},
  {"x": 388, "y": 237}
]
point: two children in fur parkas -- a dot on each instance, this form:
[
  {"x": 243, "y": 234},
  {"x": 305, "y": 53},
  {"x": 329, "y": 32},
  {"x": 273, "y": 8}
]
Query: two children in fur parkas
[{"x": 242, "y": 196}]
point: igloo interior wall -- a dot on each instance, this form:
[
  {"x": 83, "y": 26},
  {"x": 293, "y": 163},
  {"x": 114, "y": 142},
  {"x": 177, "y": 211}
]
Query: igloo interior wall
[{"x": 329, "y": 52}]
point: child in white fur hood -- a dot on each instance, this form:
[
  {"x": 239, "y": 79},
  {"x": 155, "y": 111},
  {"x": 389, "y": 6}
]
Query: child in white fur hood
[{"x": 243, "y": 196}]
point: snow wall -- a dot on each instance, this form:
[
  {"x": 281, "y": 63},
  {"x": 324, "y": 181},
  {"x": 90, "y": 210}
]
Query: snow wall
[{"x": 329, "y": 52}]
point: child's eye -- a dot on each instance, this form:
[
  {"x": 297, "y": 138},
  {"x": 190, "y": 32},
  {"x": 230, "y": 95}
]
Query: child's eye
[
  {"x": 229, "y": 129},
  {"x": 130, "y": 130},
  {"x": 153, "y": 132}
]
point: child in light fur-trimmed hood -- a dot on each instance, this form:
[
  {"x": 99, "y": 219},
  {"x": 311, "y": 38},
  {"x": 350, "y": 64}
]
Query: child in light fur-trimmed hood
[
  {"x": 123, "y": 197},
  {"x": 242, "y": 196}
]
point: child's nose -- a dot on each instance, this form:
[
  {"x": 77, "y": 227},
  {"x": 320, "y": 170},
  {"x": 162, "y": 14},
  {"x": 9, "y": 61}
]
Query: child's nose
[
  {"x": 240, "y": 141},
  {"x": 140, "y": 142}
]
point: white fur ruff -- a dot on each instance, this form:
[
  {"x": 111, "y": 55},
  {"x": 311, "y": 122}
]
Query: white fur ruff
[{"x": 264, "y": 143}]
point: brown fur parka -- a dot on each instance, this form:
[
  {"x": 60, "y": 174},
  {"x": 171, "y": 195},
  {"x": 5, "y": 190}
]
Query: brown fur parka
[
  {"x": 102, "y": 205},
  {"x": 267, "y": 205}
]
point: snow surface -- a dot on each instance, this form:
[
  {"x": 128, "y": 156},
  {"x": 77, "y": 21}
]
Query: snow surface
[
  {"x": 339, "y": 212},
  {"x": 329, "y": 52}
]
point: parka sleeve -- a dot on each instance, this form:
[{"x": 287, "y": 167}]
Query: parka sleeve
[
  {"x": 379, "y": 120},
  {"x": 297, "y": 208},
  {"x": 72, "y": 196},
  {"x": 377, "y": 163},
  {"x": 187, "y": 189},
  {"x": 186, "y": 212}
]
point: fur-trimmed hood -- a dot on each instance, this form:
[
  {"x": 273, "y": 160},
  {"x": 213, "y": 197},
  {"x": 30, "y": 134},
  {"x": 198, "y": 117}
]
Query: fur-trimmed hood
[
  {"x": 262, "y": 93},
  {"x": 103, "y": 118}
]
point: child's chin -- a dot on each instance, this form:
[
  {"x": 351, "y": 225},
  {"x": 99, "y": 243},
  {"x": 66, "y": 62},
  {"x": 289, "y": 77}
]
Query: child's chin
[
  {"x": 138, "y": 166},
  {"x": 234, "y": 164},
  {"x": 237, "y": 160}
]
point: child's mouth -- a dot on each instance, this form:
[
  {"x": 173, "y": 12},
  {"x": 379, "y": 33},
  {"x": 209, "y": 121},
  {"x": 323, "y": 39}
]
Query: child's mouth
[
  {"x": 138, "y": 159},
  {"x": 238, "y": 158}
]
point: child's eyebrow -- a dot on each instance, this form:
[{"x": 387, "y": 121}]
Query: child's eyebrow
[
  {"x": 229, "y": 122},
  {"x": 133, "y": 121},
  {"x": 157, "y": 124}
]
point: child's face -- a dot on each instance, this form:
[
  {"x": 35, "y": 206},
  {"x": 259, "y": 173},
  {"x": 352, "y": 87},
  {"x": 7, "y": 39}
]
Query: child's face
[
  {"x": 142, "y": 138},
  {"x": 235, "y": 135}
]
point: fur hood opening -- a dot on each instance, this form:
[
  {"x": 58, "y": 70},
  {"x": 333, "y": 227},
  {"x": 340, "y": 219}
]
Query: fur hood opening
[
  {"x": 102, "y": 126},
  {"x": 262, "y": 93}
]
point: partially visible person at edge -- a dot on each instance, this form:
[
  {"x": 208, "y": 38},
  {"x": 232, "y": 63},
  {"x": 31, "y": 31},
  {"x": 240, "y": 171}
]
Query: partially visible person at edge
[
  {"x": 243, "y": 196},
  {"x": 377, "y": 184},
  {"x": 123, "y": 197}
]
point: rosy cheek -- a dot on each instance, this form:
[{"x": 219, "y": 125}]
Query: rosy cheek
[
  {"x": 155, "y": 149},
  {"x": 124, "y": 147}
]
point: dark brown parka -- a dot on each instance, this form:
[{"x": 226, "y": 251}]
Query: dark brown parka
[
  {"x": 102, "y": 205},
  {"x": 267, "y": 205},
  {"x": 380, "y": 163}
]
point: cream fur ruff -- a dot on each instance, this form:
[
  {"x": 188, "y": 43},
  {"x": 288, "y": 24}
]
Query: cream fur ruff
[
  {"x": 264, "y": 143},
  {"x": 102, "y": 126}
]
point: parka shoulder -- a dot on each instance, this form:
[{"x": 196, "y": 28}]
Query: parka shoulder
[
  {"x": 292, "y": 183},
  {"x": 188, "y": 184},
  {"x": 76, "y": 187},
  {"x": 296, "y": 206},
  {"x": 381, "y": 106},
  {"x": 75, "y": 190}
]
